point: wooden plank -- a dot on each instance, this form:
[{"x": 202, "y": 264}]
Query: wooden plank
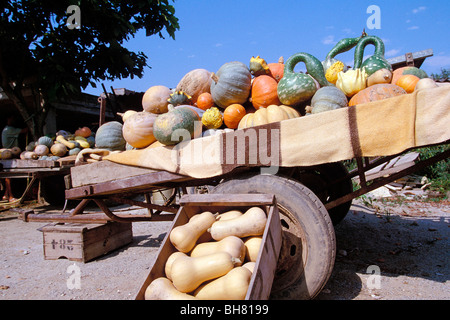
[
  {"x": 100, "y": 172},
  {"x": 392, "y": 166}
]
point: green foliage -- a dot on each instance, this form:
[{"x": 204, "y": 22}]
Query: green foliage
[
  {"x": 438, "y": 173},
  {"x": 36, "y": 43},
  {"x": 444, "y": 75}
]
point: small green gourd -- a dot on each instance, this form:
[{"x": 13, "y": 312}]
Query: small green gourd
[
  {"x": 374, "y": 62},
  {"x": 295, "y": 88}
]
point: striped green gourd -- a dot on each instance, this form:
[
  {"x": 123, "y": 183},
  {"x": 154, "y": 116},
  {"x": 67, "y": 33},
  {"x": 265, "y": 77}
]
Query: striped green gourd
[
  {"x": 342, "y": 46},
  {"x": 374, "y": 62},
  {"x": 295, "y": 87}
]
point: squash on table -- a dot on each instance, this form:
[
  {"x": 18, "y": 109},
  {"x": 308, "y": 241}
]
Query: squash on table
[
  {"x": 231, "y": 84},
  {"x": 109, "y": 136},
  {"x": 15, "y": 152},
  {"x": 259, "y": 66},
  {"x": 328, "y": 98},
  {"x": 252, "y": 246},
  {"x": 295, "y": 88},
  {"x": 397, "y": 73},
  {"x": 267, "y": 115},
  {"x": 251, "y": 223},
  {"x": 138, "y": 129},
  {"x": 212, "y": 118},
  {"x": 163, "y": 289},
  {"x": 231, "y": 214},
  {"x": 332, "y": 72},
  {"x": 194, "y": 83},
  {"x": 352, "y": 81},
  {"x": 233, "y": 114},
  {"x": 232, "y": 286},
  {"x": 83, "y": 132},
  {"x": 5, "y": 154},
  {"x": 178, "y": 123},
  {"x": 155, "y": 99},
  {"x": 205, "y": 101},
  {"x": 264, "y": 92},
  {"x": 276, "y": 69},
  {"x": 58, "y": 149},
  {"x": 380, "y": 76},
  {"x": 41, "y": 150},
  {"x": 408, "y": 82},
  {"x": 250, "y": 265},
  {"x": 46, "y": 141},
  {"x": 67, "y": 143},
  {"x": 376, "y": 92},
  {"x": 374, "y": 62},
  {"x": 185, "y": 236},
  {"x": 188, "y": 272},
  {"x": 232, "y": 245}
]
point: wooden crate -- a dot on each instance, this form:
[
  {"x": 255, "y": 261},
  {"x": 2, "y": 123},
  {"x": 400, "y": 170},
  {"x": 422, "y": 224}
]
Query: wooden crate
[
  {"x": 84, "y": 242},
  {"x": 262, "y": 278}
]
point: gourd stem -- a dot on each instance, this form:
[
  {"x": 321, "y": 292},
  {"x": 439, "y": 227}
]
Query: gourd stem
[
  {"x": 214, "y": 77},
  {"x": 313, "y": 67},
  {"x": 344, "y": 45},
  {"x": 359, "y": 50}
]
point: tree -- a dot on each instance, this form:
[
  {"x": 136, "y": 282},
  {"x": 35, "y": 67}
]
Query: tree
[{"x": 42, "y": 54}]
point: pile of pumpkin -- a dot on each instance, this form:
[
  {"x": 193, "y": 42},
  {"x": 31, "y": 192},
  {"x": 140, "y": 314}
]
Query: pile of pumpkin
[
  {"x": 46, "y": 147},
  {"x": 214, "y": 258},
  {"x": 239, "y": 96}
]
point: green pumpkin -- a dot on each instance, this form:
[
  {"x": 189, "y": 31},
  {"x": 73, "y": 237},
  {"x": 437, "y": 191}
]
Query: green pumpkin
[
  {"x": 295, "y": 88},
  {"x": 328, "y": 98},
  {"x": 46, "y": 141},
  {"x": 374, "y": 62},
  {"x": 231, "y": 84},
  {"x": 109, "y": 136},
  {"x": 177, "y": 124}
]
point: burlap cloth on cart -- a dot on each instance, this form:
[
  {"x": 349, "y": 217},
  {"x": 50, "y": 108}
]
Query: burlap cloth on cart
[{"x": 379, "y": 128}]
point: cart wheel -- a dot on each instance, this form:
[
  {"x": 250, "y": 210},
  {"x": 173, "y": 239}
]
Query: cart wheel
[
  {"x": 319, "y": 179},
  {"x": 309, "y": 247}
]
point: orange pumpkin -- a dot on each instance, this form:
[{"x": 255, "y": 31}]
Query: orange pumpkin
[
  {"x": 408, "y": 82},
  {"x": 264, "y": 92},
  {"x": 205, "y": 101},
  {"x": 233, "y": 115},
  {"x": 376, "y": 92},
  {"x": 276, "y": 69},
  {"x": 83, "y": 132}
]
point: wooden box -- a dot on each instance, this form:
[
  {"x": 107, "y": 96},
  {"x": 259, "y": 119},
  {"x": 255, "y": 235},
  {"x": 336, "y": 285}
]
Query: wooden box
[
  {"x": 263, "y": 274},
  {"x": 84, "y": 242}
]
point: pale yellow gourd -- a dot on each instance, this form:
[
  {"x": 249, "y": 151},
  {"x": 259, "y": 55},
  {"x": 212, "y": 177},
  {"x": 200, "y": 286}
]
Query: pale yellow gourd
[
  {"x": 250, "y": 265},
  {"x": 252, "y": 246},
  {"x": 189, "y": 273},
  {"x": 163, "y": 289},
  {"x": 251, "y": 223},
  {"x": 232, "y": 244},
  {"x": 169, "y": 261},
  {"x": 185, "y": 236},
  {"x": 229, "y": 215},
  {"x": 232, "y": 286}
]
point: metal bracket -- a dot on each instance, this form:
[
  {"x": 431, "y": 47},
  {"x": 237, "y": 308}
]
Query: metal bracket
[{"x": 409, "y": 59}]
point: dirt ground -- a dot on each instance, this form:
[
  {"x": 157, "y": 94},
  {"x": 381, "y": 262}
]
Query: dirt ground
[{"x": 396, "y": 249}]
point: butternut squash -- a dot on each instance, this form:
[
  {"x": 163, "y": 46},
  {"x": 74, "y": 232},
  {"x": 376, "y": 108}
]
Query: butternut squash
[
  {"x": 232, "y": 244},
  {"x": 250, "y": 265},
  {"x": 169, "y": 261},
  {"x": 252, "y": 246},
  {"x": 163, "y": 289},
  {"x": 251, "y": 223},
  {"x": 229, "y": 215},
  {"x": 185, "y": 236},
  {"x": 232, "y": 286},
  {"x": 188, "y": 272}
]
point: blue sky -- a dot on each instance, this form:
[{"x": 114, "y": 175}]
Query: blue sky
[{"x": 214, "y": 32}]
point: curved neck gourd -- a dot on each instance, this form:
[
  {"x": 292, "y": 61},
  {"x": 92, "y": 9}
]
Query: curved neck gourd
[
  {"x": 344, "y": 45},
  {"x": 374, "y": 62},
  {"x": 313, "y": 67}
]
